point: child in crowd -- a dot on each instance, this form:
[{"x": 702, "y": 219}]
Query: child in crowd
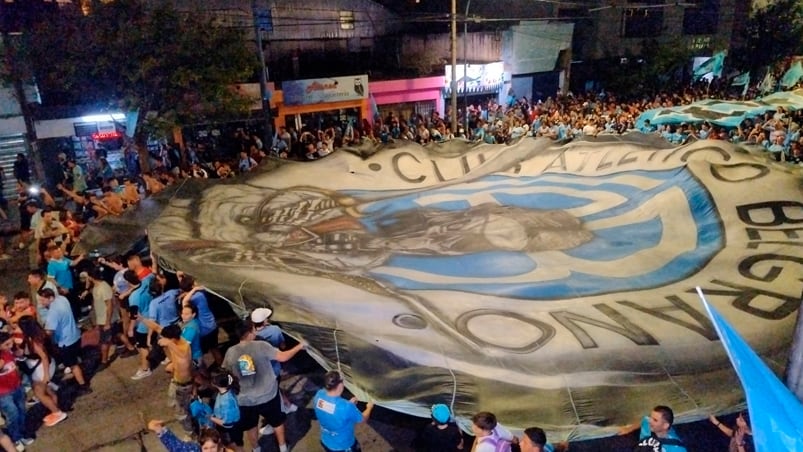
[
  {"x": 227, "y": 411},
  {"x": 440, "y": 435}
]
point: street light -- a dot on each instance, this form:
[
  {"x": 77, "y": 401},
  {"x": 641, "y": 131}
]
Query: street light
[{"x": 267, "y": 133}]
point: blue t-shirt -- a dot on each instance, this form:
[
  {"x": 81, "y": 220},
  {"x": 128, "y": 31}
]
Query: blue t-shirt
[
  {"x": 227, "y": 409},
  {"x": 141, "y": 298},
  {"x": 60, "y": 271},
  {"x": 646, "y": 437},
  {"x": 61, "y": 321},
  {"x": 337, "y": 417},
  {"x": 164, "y": 308},
  {"x": 192, "y": 334},
  {"x": 206, "y": 320},
  {"x": 274, "y": 336}
]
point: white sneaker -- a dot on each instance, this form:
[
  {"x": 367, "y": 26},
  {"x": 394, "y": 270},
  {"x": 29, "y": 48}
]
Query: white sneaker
[
  {"x": 266, "y": 430},
  {"x": 291, "y": 408},
  {"x": 165, "y": 362},
  {"x": 19, "y": 446},
  {"x": 142, "y": 374}
]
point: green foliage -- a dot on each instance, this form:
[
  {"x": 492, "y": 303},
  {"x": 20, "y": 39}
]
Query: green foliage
[
  {"x": 655, "y": 69},
  {"x": 171, "y": 66},
  {"x": 772, "y": 33}
]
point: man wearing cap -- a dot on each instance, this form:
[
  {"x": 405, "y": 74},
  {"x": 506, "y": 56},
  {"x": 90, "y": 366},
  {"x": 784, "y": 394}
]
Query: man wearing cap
[
  {"x": 272, "y": 334},
  {"x": 440, "y": 435},
  {"x": 338, "y": 416},
  {"x": 249, "y": 361}
]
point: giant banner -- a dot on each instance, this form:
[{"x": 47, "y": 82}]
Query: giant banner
[
  {"x": 724, "y": 113},
  {"x": 552, "y": 284}
]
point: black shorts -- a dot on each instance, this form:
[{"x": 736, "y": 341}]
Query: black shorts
[
  {"x": 270, "y": 410},
  {"x": 107, "y": 336},
  {"x": 231, "y": 434},
  {"x": 141, "y": 339},
  {"x": 71, "y": 354},
  {"x": 209, "y": 341}
]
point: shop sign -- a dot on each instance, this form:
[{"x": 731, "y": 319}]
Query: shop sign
[
  {"x": 320, "y": 90},
  {"x": 476, "y": 78}
]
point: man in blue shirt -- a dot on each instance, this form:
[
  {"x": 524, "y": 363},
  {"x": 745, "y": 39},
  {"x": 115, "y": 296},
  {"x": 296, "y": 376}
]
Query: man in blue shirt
[
  {"x": 266, "y": 331},
  {"x": 191, "y": 332},
  {"x": 163, "y": 310},
  {"x": 60, "y": 324},
  {"x": 656, "y": 432},
  {"x": 59, "y": 270},
  {"x": 338, "y": 416},
  {"x": 139, "y": 305},
  {"x": 194, "y": 294}
]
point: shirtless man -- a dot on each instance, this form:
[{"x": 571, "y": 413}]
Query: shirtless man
[
  {"x": 130, "y": 192},
  {"x": 113, "y": 201},
  {"x": 180, "y": 354},
  {"x": 152, "y": 184}
]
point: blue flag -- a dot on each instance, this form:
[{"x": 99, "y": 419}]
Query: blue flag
[
  {"x": 792, "y": 76},
  {"x": 775, "y": 413},
  {"x": 712, "y": 65},
  {"x": 741, "y": 79}
]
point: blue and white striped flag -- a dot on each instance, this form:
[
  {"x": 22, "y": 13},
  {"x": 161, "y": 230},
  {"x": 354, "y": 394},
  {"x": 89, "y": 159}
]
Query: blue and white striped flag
[{"x": 712, "y": 65}]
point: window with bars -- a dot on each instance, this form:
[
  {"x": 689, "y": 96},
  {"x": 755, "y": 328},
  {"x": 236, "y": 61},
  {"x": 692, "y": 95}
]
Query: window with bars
[{"x": 347, "y": 20}]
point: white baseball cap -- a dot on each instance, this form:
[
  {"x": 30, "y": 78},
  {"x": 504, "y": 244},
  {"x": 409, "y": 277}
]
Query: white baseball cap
[{"x": 261, "y": 314}]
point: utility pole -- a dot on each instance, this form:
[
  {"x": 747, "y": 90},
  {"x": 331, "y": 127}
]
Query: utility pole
[
  {"x": 267, "y": 138},
  {"x": 465, "y": 67},
  {"x": 454, "y": 67}
]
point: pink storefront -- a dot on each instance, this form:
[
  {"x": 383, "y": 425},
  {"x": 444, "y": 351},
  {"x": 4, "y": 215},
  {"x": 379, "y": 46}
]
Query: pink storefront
[{"x": 408, "y": 97}]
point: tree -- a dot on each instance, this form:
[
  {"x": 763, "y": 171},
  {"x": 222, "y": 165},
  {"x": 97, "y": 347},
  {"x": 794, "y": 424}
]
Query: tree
[
  {"x": 174, "y": 68},
  {"x": 772, "y": 33}
]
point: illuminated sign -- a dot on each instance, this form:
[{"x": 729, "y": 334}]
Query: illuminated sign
[
  {"x": 106, "y": 135},
  {"x": 476, "y": 78},
  {"x": 319, "y": 90}
]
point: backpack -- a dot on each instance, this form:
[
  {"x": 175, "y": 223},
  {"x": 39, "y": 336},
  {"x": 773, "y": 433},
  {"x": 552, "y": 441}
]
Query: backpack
[{"x": 500, "y": 445}]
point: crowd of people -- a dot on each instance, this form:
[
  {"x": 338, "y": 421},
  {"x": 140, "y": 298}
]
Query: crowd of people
[{"x": 226, "y": 397}]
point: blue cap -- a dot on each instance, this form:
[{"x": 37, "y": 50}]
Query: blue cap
[{"x": 441, "y": 413}]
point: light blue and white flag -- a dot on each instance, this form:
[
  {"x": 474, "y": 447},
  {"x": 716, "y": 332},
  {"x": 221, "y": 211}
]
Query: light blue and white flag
[
  {"x": 741, "y": 79},
  {"x": 775, "y": 413},
  {"x": 791, "y": 77},
  {"x": 767, "y": 83},
  {"x": 712, "y": 65}
]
